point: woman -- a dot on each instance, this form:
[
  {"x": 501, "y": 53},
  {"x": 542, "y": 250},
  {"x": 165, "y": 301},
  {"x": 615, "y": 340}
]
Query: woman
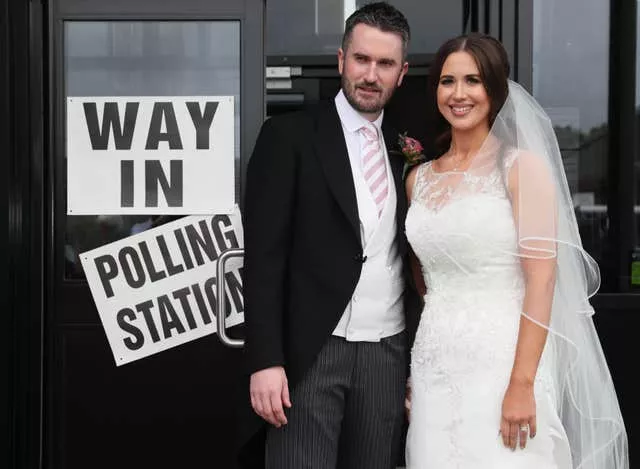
[{"x": 507, "y": 370}]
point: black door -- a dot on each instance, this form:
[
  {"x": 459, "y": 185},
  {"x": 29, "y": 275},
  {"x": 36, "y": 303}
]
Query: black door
[{"x": 175, "y": 408}]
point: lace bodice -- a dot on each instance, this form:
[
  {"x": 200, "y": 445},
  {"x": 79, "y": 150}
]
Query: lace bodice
[{"x": 462, "y": 230}]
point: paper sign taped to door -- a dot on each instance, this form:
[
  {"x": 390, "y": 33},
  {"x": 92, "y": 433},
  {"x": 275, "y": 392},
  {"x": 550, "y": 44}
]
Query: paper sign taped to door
[
  {"x": 150, "y": 155},
  {"x": 157, "y": 289}
]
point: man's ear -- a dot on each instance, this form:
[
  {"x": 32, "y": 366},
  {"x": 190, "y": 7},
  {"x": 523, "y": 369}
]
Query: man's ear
[
  {"x": 340, "y": 60},
  {"x": 403, "y": 72}
]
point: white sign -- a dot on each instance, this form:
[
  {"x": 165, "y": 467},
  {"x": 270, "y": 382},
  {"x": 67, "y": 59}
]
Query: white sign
[
  {"x": 157, "y": 289},
  {"x": 150, "y": 155}
]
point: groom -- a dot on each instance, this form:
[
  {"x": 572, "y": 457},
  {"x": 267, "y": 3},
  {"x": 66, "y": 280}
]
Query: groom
[{"x": 324, "y": 274}]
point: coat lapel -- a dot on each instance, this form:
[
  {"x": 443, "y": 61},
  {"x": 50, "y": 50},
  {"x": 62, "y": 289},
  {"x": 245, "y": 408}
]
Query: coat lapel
[{"x": 332, "y": 153}]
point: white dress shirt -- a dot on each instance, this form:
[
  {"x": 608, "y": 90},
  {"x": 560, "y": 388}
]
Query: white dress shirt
[{"x": 375, "y": 310}]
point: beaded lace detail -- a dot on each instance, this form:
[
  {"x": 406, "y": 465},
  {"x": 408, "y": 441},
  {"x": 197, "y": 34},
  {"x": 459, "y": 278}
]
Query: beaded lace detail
[
  {"x": 436, "y": 189},
  {"x": 462, "y": 230}
]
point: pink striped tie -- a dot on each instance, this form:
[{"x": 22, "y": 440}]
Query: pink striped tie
[{"x": 373, "y": 165}]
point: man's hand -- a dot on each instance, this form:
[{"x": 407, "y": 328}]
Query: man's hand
[{"x": 269, "y": 391}]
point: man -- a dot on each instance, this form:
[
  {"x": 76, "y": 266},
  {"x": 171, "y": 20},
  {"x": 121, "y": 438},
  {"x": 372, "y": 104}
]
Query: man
[{"x": 324, "y": 273}]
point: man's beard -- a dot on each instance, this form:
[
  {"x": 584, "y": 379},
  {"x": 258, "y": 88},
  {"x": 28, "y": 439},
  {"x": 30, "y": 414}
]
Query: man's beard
[{"x": 373, "y": 106}]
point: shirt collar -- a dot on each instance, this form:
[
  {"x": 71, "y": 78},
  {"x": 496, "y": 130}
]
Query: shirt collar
[{"x": 350, "y": 118}]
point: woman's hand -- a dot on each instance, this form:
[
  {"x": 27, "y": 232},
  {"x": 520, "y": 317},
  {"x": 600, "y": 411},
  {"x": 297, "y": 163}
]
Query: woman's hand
[{"x": 518, "y": 420}]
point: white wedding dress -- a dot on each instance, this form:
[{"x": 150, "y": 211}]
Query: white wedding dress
[{"x": 465, "y": 344}]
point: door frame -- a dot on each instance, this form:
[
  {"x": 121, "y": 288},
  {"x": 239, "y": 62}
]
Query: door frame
[
  {"x": 23, "y": 261},
  {"x": 32, "y": 45}
]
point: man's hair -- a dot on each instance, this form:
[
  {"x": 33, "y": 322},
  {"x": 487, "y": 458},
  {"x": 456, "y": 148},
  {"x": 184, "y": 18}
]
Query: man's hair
[{"x": 379, "y": 15}]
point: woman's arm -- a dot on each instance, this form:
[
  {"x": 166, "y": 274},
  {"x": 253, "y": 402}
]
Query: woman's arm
[
  {"x": 416, "y": 271},
  {"x": 538, "y": 262}
]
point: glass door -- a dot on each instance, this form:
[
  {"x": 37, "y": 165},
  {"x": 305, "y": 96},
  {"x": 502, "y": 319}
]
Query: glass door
[{"x": 174, "y": 408}]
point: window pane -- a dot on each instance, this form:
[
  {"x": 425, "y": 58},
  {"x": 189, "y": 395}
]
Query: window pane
[
  {"x": 315, "y": 27},
  {"x": 571, "y": 81},
  {"x": 150, "y": 58}
]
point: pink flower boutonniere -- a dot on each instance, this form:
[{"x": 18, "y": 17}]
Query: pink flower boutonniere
[{"x": 411, "y": 149}]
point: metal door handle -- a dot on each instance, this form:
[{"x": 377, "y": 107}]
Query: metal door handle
[{"x": 221, "y": 316}]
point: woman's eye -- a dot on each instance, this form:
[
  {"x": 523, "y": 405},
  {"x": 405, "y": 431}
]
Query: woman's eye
[{"x": 446, "y": 81}]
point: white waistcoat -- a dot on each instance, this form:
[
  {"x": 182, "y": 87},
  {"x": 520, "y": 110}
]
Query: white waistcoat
[{"x": 376, "y": 308}]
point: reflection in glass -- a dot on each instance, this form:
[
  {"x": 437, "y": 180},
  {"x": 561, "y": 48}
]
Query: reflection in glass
[
  {"x": 571, "y": 81},
  {"x": 315, "y": 27},
  {"x": 150, "y": 58}
]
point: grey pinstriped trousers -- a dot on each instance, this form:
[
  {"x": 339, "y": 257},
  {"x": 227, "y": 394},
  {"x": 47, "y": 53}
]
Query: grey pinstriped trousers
[{"x": 348, "y": 411}]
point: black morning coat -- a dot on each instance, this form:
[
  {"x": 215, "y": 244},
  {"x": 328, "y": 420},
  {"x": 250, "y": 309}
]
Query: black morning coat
[{"x": 303, "y": 254}]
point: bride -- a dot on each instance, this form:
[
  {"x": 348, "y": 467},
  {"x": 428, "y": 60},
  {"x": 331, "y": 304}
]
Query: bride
[{"x": 506, "y": 369}]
